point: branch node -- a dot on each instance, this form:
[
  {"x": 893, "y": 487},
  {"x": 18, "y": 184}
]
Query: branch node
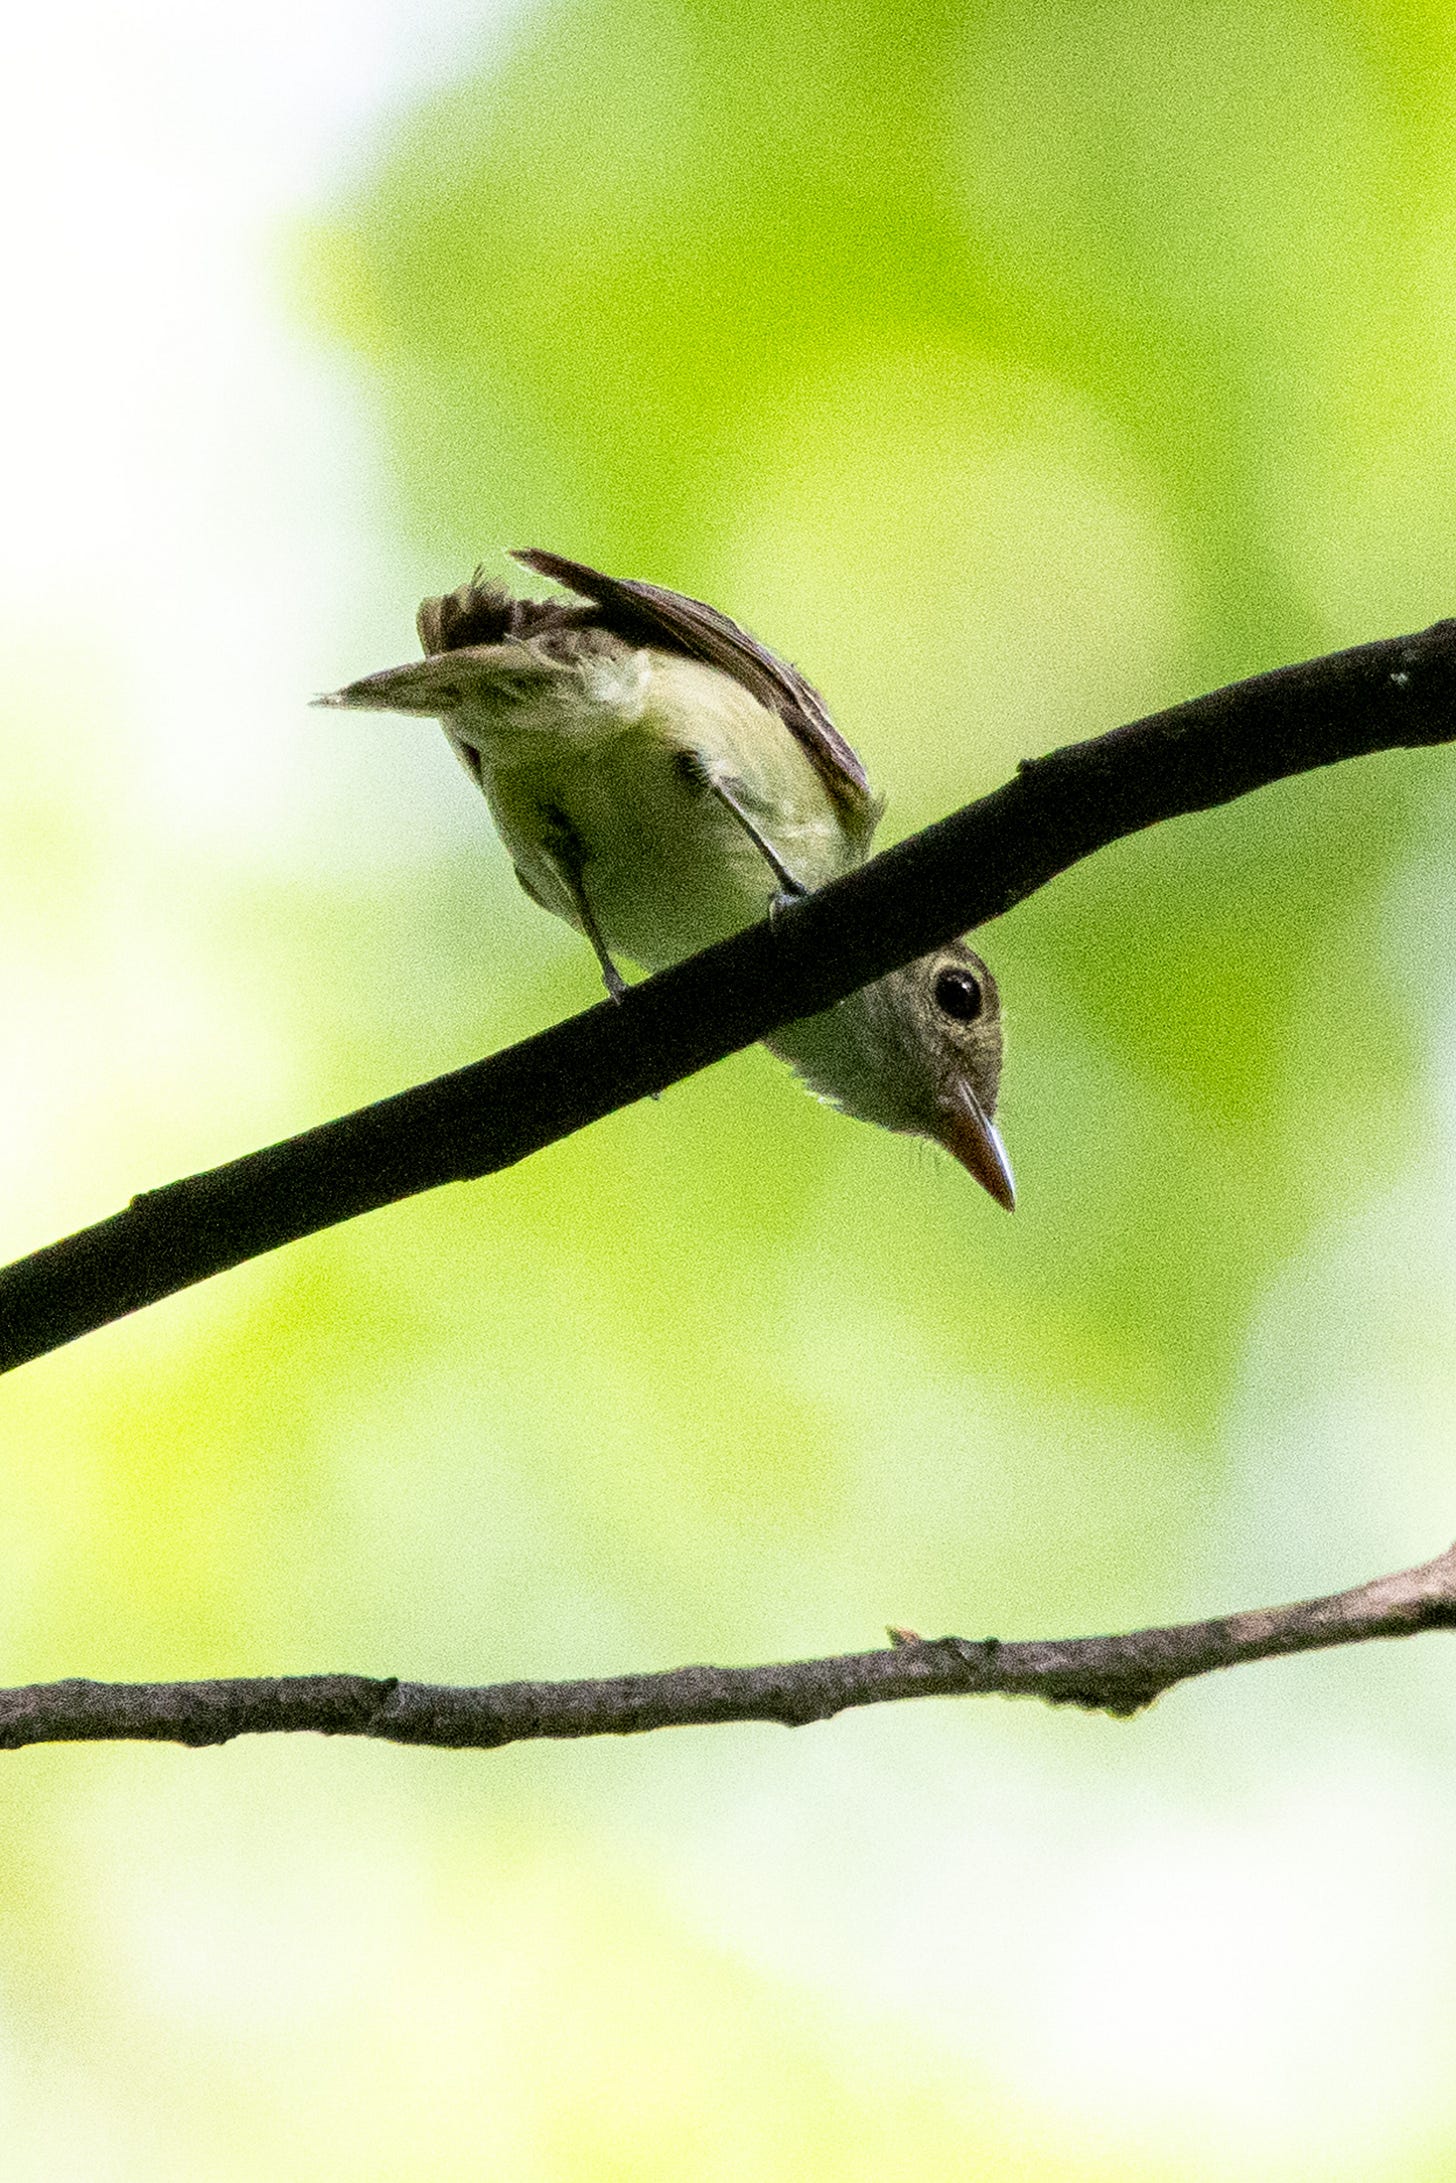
[{"x": 976, "y": 1654}]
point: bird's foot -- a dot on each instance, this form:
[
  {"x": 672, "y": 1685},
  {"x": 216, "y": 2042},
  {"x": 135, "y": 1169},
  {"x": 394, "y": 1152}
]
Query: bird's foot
[{"x": 785, "y": 900}]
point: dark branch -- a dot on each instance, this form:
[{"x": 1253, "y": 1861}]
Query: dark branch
[
  {"x": 1116, "y": 1675},
  {"x": 957, "y": 874}
]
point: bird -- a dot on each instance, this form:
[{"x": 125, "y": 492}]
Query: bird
[{"x": 661, "y": 779}]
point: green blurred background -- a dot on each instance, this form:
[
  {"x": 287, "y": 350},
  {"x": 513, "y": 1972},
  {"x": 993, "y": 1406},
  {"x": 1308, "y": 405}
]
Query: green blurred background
[{"x": 1015, "y": 369}]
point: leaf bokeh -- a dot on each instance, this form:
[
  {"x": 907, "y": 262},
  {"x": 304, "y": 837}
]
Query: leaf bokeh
[{"x": 1014, "y": 369}]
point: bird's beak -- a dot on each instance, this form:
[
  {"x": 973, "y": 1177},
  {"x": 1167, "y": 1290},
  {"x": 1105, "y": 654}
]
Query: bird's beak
[{"x": 969, "y": 1135}]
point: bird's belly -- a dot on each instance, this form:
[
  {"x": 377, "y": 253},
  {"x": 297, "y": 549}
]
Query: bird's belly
[{"x": 666, "y": 867}]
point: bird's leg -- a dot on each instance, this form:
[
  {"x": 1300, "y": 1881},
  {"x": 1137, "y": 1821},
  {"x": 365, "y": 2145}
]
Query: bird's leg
[
  {"x": 567, "y": 862},
  {"x": 728, "y": 792},
  {"x": 789, "y": 882}
]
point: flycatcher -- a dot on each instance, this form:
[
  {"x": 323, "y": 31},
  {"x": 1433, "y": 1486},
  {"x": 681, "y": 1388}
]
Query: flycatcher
[{"x": 660, "y": 779}]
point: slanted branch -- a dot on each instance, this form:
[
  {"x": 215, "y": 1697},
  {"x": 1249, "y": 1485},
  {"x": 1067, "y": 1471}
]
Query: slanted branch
[{"x": 960, "y": 873}]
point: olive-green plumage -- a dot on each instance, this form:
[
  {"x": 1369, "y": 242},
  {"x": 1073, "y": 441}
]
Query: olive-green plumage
[{"x": 658, "y": 778}]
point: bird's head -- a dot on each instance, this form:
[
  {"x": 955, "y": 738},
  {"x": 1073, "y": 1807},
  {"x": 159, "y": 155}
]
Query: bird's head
[{"x": 919, "y": 1052}]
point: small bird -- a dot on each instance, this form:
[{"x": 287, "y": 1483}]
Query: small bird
[{"x": 660, "y": 780}]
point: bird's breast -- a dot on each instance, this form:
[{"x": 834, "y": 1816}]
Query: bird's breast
[{"x": 666, "y": 867}]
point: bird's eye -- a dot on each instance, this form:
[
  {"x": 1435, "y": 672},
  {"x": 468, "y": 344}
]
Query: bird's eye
[{"x": 958, "y": 994}]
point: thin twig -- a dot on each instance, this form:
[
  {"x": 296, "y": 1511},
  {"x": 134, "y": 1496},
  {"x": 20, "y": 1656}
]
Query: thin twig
[
  {"x": 1399, "y": 693},
  {"x": 1118, "y": 1675}
]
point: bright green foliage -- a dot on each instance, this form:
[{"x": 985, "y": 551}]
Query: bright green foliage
[
  {"x": 1014, "y": 368},
  {"x": 1014, "y": 371}
]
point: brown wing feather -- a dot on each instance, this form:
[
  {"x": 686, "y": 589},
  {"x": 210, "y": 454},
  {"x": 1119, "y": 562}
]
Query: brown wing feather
[{"x": 646, "y": 614}]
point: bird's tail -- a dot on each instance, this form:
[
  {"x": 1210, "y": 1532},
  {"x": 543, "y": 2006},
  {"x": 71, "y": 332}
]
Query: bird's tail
[{"x": 441, "y": 685}]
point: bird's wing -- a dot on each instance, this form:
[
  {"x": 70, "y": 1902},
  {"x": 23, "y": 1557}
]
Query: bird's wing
[{"x": 646, "y": 614}]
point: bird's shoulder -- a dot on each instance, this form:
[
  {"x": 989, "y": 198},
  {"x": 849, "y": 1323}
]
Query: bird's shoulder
[{"x": 646, "y": 614}]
